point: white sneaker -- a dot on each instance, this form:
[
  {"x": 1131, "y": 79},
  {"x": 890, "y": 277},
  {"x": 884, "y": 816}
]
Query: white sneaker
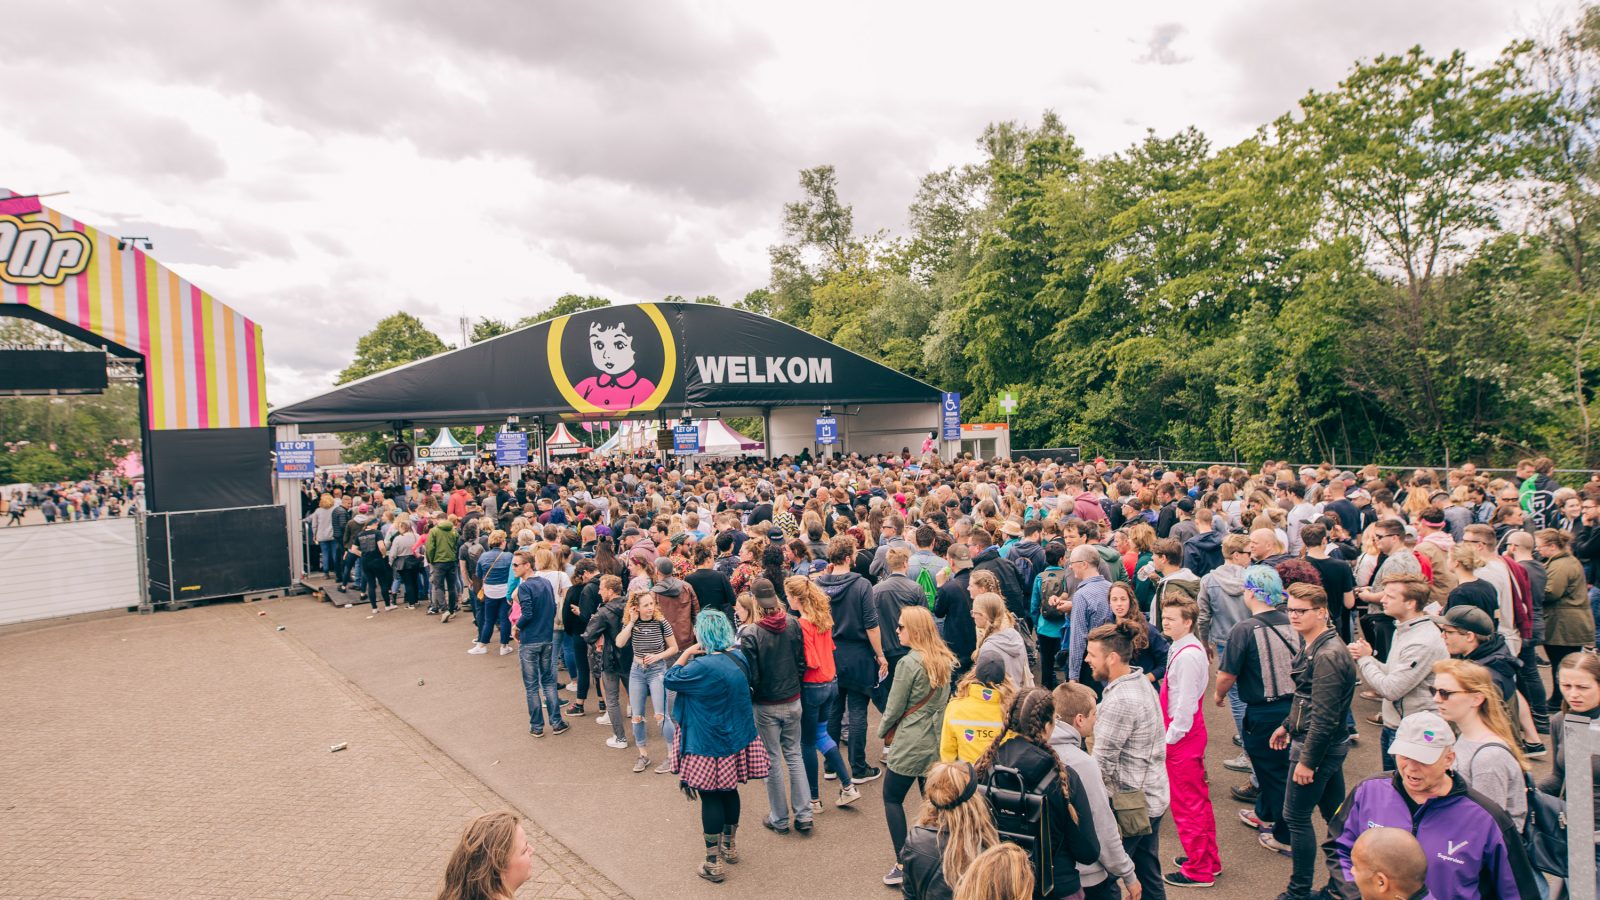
[
  {"x": 603, "y": 719},
  {"x": 615, "y": 744},
  {"x": 571, "y": 688},
  {"x": 849, "y": 795},
  {"x": 816, "y": 807},
  {"x": 507, "y": 649},
  {"x": 478, "y": 650}
]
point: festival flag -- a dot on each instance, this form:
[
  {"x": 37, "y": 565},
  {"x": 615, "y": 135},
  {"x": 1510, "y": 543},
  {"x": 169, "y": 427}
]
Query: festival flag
[{"x": 477, "y": 430}]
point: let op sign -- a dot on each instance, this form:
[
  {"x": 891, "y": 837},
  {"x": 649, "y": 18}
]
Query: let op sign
[
  {"x": 296, "y": 459},
  {"x": 511, "y": 448},
  {"x": 686, "y": 439}
]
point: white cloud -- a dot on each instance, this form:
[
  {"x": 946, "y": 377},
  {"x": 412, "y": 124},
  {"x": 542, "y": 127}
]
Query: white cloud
[{"x": 321, "y": 164}]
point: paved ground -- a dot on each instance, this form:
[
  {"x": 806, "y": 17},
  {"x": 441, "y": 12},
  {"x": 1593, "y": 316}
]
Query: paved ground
[
  {"x": 199, "y": 740},
  {"x": 187, "y": 755}
]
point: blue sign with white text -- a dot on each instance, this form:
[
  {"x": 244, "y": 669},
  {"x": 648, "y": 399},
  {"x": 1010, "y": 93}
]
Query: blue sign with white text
[
  {"x": 950, "y": 416},
  {"x": 685, "y": 439},
  {"x": 296, "y": 459},
  {"x": 827, "y": 430},
  {"x": 511, "y": 448}
]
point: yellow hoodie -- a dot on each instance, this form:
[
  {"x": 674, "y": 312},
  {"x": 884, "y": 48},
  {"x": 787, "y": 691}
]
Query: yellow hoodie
[{"x": 971, "y": 724}]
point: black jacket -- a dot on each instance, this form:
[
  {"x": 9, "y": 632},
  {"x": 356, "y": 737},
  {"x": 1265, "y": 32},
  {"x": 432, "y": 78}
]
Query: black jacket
[
  {"x": 586, "y": 597},
  {"x": 1495, "y": 656},
  {"x": 1586, "y": 547},
  {"x": 607, "y": 623},
  {"x": 778, "y": 658},
  {"x": 713, "y": 590},
  {"x": 922, "y": 861},
  {"x": 1203, "y": 552},
  {"x": 1010, "y": 580},
  {"x": 1324, "y": 684},
  {"x": 854, "y": 614},
  {"x": 1071, "y": 818},
  {"x": 953, "y": 604}
]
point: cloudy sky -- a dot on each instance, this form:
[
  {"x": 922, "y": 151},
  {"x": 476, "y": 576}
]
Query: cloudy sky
[{"x": 321, "y": 164}]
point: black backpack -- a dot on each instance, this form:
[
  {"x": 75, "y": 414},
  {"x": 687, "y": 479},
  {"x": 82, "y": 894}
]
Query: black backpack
[{"x": 1022, "y": 817}]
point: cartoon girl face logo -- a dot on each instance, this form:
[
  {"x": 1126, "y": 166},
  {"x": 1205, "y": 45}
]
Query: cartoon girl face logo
[{"x": 617, "y": 386}]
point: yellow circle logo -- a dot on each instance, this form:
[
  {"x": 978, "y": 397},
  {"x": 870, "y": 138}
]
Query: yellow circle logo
[{"x": 620, "y": 380}]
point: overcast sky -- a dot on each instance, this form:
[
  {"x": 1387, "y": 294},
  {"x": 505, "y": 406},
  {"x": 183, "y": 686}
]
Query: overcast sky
[{"x": 321, "y": 164}]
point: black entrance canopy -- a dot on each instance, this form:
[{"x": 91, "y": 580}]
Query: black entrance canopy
[{"x": 615, "y": 362}]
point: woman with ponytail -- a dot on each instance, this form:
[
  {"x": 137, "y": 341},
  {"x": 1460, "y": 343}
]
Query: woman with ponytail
[
  {"x": 954, "y": 828},
  {"x": 1068, "y": 821}
]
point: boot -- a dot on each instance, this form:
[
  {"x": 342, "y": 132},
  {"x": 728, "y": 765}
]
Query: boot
[
  {"x": 711, "y": 869},
  {"x": 729, "y": 852}
]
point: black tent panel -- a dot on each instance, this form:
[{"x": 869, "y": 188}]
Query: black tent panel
[{"x": 615, "y": 361}]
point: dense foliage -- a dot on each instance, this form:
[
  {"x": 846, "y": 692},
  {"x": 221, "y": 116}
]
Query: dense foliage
[{"x": 1395, "y": 272}]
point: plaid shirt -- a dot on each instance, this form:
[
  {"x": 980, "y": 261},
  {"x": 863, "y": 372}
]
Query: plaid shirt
[{"x": 1130, "y": 742}]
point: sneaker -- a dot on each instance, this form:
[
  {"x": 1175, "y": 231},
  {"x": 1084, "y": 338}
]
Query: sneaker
[
  {"x": 602, "y": 706},
  {"x": 571, "y": 687},
  {"x": 445, "y": 618},
  {"x": 478, "y": 650},
  {"x": 1534, "y": 751},
  {"x": 665, "y": 768},
  {"x": 1372, "y": 695},
  {"x": 432, "y": 611},
  {"x": 341, "y": 589},
  {"x": 895, "y": 876},
  {"x": 390, "y": 608},
  {"x": 803, "y": 826},
  {"x": 616, "y": 743},
  {"x": 775, "y": 827},
  {"x": 641, "y": 764},
  {"x": 603, "y": 719},
  {"x": 829, "y": 775},
  {"x": 848, "y": 795},
  {"x": 816, "y": 808},
  {"x": 1375, "y": 719},
  {"x": 507, "y": 649},
  {"x": 871, "y": 773},
  {"x": 1178, "y": 879},
  {"x": 573, "y": 709},
  {"x": 1181, "y": 861},
  {"x": 1237, "y": 741},
  {"x": 1355, "y": 737},
  {"x": 1271, "y": 843},
  {"x": 1246, "y": 794},
  {"x": 1249, "y": 819},
  {"x": 536, "y": 732},
  {"x": 1240, "y": 763}
]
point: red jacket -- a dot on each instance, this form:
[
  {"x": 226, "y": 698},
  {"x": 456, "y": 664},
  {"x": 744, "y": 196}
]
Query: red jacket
[{"x": 1521, "y": 597}]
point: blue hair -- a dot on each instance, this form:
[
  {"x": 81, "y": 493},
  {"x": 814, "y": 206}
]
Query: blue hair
[
  {"x": 712, "y": 630},
  {"x": 1264, "y": 582}
]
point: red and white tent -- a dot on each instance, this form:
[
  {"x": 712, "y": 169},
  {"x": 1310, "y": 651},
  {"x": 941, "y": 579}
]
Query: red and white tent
[{"x": 562, "y": 443}]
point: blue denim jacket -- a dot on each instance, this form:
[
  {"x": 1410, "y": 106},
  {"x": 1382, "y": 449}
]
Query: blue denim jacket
[{"x": 713, "y": 709}]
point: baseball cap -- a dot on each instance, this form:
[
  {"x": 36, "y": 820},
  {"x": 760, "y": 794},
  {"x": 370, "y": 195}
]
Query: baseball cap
[
  {"x": 1422, "y": 736},
  {"x": 1470, "y": 619},
  {"x": 1360, "y": 494},
  {"x": 364, "y": 508},
  {"x": 990, "y": 670},
  {"x": 766, "y": 595},
  {"x": 959, "y": 553},
  {"x": 665, "y": 565}
]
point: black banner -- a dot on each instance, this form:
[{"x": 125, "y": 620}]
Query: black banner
[{"x": 616, "y": 362}]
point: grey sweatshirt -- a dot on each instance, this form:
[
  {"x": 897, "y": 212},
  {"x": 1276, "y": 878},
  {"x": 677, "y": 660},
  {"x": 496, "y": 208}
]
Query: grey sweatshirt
[
  {"x": 1068, "y": 746},
  {"x": 1006, "y": 645},
  {"x": 1221, "y": 603}
]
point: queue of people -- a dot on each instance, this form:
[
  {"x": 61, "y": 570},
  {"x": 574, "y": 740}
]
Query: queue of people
[{"x": 1038, "y": 639}]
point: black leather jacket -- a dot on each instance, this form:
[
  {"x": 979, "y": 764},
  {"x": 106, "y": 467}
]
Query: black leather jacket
[
  {"x": 1324, "y": 684},
  {"x": 922, "y": 862}
]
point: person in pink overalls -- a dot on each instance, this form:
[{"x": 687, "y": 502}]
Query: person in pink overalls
[
  {"x": 617, "y": 386},
  {"x": 1188, "y": 671}
]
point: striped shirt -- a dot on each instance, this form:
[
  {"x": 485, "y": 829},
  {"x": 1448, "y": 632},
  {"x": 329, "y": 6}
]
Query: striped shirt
[{"x": 650, "y": 636}]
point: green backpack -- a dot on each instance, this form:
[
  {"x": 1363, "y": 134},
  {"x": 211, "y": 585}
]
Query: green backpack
[{"x": 930, "y": 586}]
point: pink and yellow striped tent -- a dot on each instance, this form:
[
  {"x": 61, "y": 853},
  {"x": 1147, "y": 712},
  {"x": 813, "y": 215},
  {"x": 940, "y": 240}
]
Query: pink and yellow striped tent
[{"x": 204, "y": 362}]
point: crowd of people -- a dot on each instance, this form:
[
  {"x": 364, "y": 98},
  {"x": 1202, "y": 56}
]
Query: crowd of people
[
  {"x": 71, "y": 501},
  {"x": 1039, "y": 639}
]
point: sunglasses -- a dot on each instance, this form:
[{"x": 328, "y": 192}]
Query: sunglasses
[{"x": 1446, "y": 695}]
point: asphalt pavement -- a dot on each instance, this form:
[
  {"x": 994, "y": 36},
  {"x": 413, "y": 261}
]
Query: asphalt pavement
[{"x": 639, "y": 830}]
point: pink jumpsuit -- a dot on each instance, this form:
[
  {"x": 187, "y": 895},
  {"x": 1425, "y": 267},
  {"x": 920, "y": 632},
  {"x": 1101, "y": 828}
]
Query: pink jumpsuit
[{"x": 1191, "y": 792}]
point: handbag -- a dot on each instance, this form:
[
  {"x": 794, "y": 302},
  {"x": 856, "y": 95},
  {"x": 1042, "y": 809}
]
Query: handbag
[
  {"x": 1544, "y": 834},
  {"x": 1133, "y": 817},
  {"x": 888, "y": 738}
]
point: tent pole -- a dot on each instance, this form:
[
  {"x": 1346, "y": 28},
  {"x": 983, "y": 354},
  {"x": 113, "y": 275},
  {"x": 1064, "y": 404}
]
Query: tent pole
[{"x": 766, "y": 430}]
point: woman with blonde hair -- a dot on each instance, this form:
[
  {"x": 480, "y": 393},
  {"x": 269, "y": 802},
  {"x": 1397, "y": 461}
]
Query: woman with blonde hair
[
  {"x": 1470, "y": 590},
  {"x": 1001, "y": 872},
  {"x": 819, "y": 687},
  {"x": 998, "y": 637},
  {"x": 491, "y": 861},
  {"x": 321, "y": 520},
  {"x": 911, "y": 719},
  {"x": 954, "y": 828},
  {"x": 1488, "y": 755}
]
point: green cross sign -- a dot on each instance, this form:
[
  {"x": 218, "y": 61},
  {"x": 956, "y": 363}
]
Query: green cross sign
[{"x": 1008, "y": 402}]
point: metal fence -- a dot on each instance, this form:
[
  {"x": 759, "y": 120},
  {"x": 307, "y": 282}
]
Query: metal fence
[{"x": 1162, "y": 456}]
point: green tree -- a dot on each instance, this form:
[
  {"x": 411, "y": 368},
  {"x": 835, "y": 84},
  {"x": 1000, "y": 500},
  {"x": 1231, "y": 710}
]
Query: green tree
[
  {"x": 565, "y": 305},
  {"x": 485, "y": 328},
  {"x": 395, "y": 340},
  {"x": 708, "y": 299}
]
